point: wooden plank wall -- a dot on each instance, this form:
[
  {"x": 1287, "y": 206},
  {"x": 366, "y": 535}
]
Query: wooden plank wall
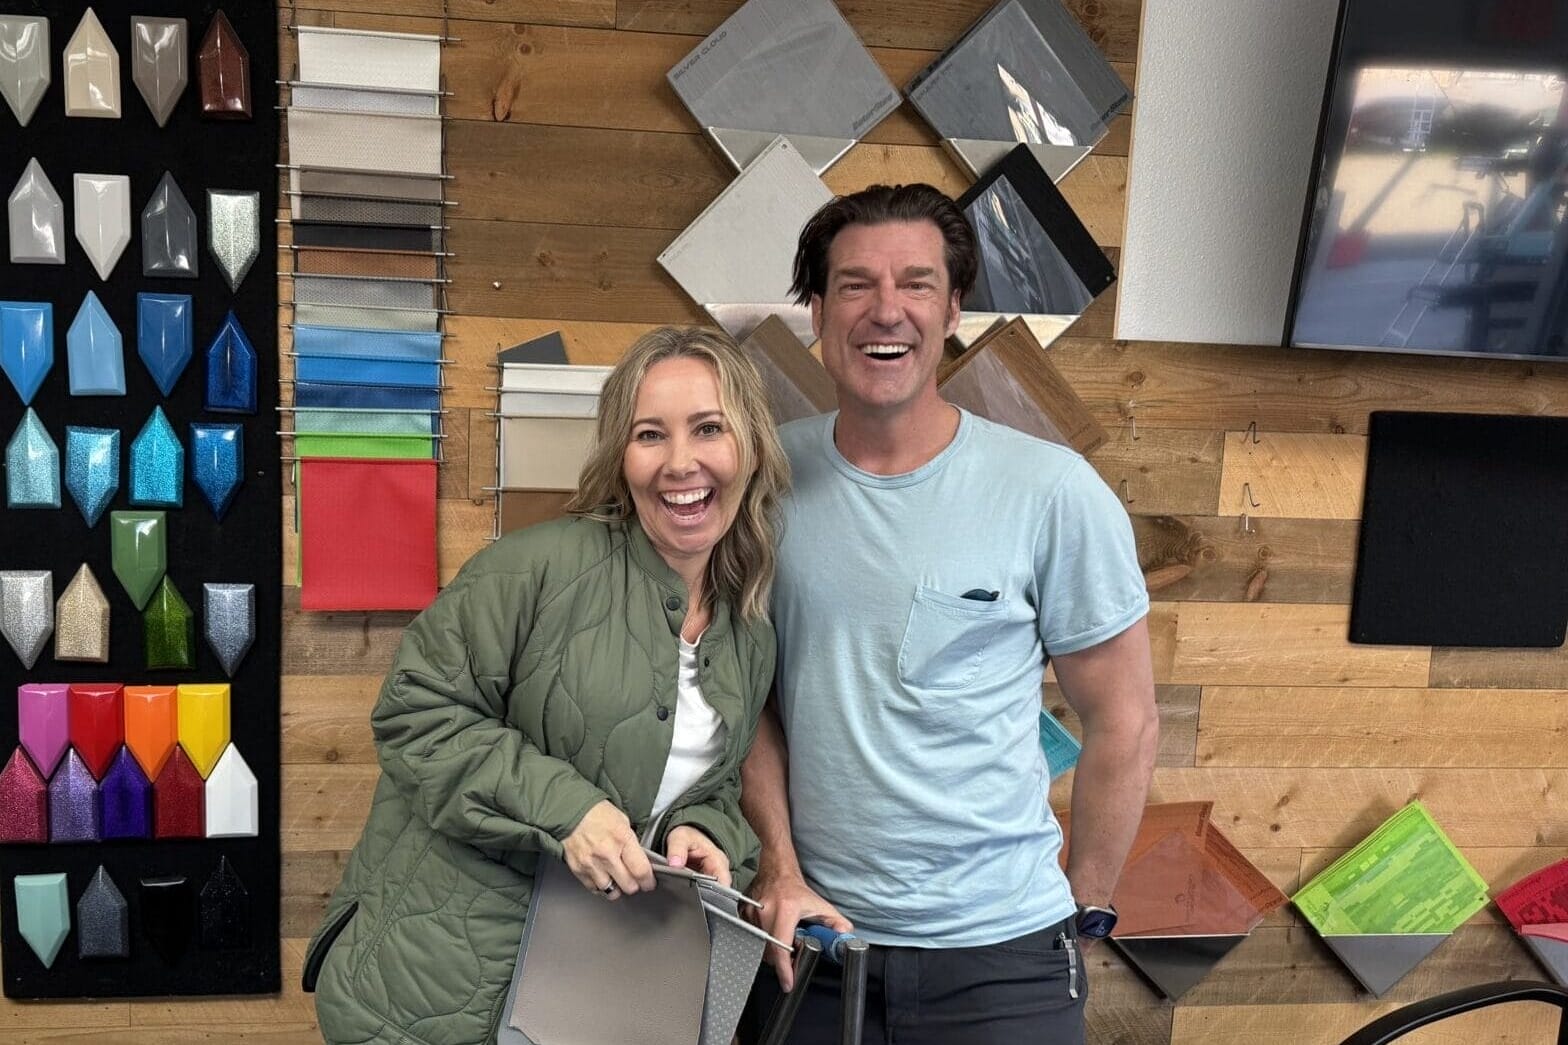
[{"x": 575, "y": 165}]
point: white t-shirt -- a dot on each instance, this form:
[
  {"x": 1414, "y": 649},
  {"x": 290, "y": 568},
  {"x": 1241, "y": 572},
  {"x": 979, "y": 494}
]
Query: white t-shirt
[{"x": 699, "y": 734}]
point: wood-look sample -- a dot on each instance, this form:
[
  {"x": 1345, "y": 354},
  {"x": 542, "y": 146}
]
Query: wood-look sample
[
  {"x": 520, "y": 508},
  {"x": 1007, "y": 378},
  {"x": 797, "y": 384}
]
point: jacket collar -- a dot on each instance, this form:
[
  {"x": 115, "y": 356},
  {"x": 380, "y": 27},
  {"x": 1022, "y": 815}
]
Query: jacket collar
[{"x": 672, "y": 590}]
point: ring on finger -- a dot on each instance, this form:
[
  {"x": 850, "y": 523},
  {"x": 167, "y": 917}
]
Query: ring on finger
[{"x": 609, "y": 890}]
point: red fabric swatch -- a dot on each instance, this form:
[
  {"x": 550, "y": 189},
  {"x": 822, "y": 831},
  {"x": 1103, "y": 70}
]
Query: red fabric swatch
[{"x": 367, "y": 534}]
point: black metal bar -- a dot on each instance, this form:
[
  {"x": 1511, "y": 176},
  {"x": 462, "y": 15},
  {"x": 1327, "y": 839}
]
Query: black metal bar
[
  {"x": 807, "y": 953},
  {"x": 852, "y": 1000}
]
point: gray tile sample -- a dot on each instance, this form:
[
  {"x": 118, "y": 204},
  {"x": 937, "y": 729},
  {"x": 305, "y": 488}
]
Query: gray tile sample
[
  {"x": 169, "y": 233},
  {"x": 547, "y": 348},
  {"x": 24, "y": 63},
  {"x": 1174, "y": 964},
  {"x": 1380, "y": 960},
  {"x": 36, "y": 217},
  {"x": 791, "y": 67},
  {"x": 103, "y": 926},
  {"x": 1026, "y": 72},
  {"x": 158, "y": 68}
]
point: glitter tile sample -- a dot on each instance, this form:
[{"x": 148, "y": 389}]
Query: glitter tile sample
[
  {"x": 43, "y": 913},
  {"x": 127, "y": 799},
  {"x": 138, "y": 549},
  {"x": 218, "y": 463},
  {"x": 32, "y": 466},
  {"x": 165, "y": 336},
  {"x": 225, "y": 910},
  {"x": 229, "y": 622},
  {"x": 81, "y": 620},
  {"x": 234, "y": 231},
  {"x": 204, "y": 723},
  {"x": 75, "y": 809},
  {"x": 36, "y": 217},
  {"x": 168, "y": 915},
  {"x": 224, "y": 71},
  {"x": 26, "y": 344},
  {"x": 158, "y": 48},
  {"x": 27, "y": 611},
  {"x": 231, "y": 370},
  {"x": 151, "y": 728},
  {"x": 103, "y": 924},
  {"x": 157, "y": 464},
  {"x": 92, "y": 71},
  {"x": 24, "y": 63},
  {"x": 169, "y": 629},
  {"x": 44, "y": 723},
  {"x": 178, "y": 793},
  {"x": 94, "y": 351},
  {"x": 169, "y": 233},
  {"x": 103, "y": 218},
  {"x": 92, "y": 469},
  {"x": 97, "y": 723},
  {"x": 24, "y": 801},
  {"x": 231, "y": 798}
]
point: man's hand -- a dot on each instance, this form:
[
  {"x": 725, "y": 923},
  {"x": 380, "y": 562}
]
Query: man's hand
[
  {"x": 688, "y": 847},
  {"x": 604, "y": 854},
  {"x": 787, "y": 901}
]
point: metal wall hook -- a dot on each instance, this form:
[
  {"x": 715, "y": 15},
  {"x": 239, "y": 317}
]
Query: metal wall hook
[
  {"x": 1246, "y": 489},
  {"x": 1123, "y": 491},
  {"x": 1132, "y": 417},
  {"x": 1252, "y": 430}
]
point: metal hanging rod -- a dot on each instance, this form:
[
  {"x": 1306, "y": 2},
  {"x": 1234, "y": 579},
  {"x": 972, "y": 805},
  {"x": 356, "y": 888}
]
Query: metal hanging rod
[
  {"x": 437, "y": 362},
  {"x": 430, "y": 228},
  {"x": 408, "y": 91},
  {"x": 379, "y": 199},
  {"x": 350, "y": 170},
  {"x": 357, "y": 384},
  {"x": 379, "y": 279},
  {"x": 377, "y": 308},
  {"x": 356, "y": 410},
  {"x": 296, "y": 248},
  {"x": 289, "y": 433},
  {"x": 443, "y": 38},
  {"x": 367, "y": 330}
]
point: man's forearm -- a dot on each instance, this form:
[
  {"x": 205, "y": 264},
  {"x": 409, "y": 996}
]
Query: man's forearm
[
  {"x": 764, "y": 794},
  {"x": 1110, "y": 786}
]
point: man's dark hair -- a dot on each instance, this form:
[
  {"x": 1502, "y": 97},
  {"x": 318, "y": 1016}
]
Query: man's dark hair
[{"x": 876, "y": 205}]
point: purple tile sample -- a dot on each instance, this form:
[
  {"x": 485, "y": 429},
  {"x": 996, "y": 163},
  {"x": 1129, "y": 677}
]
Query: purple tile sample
[
  {"x": 75, "y": 808},
  {"x": 127, "y": 799},
  {"x": 43, "y": 719}
]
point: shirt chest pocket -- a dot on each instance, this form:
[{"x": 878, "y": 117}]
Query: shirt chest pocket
[{"x": 946, "y": 639}]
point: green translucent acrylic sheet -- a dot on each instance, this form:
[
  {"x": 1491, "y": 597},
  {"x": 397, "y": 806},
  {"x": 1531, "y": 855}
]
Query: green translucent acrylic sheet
[
  {"x": 169, "y": 629},
  {"x": 401, "y": 447},
  {"x": 1405, "y": 877}
]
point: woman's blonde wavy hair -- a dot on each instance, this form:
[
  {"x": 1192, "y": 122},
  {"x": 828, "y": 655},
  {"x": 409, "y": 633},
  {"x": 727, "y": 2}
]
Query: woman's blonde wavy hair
[{"x": 741, "y": 567}]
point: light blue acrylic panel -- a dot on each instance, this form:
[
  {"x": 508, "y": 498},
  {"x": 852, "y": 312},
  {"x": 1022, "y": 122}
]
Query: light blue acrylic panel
[
  {"x": 157, "y": 464},
  {"x": 26, "y": 344},
  {"x": 381, "y": 344},
  {"x": 165, "y": 336},
  {"x": 346, "y": 370},
  {"x": 351, "y": 396},
  {"x": 95, "y": 352},
  {"x": 1061, "y": 747}
]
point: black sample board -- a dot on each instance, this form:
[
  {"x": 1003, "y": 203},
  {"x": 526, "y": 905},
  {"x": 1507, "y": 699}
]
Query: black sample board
[
  {"x": 202, "y": 912},
  {"x": 1464, "y": 532}
]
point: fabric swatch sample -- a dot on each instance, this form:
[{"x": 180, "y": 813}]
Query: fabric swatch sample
[{"x": 367, "y": 534}]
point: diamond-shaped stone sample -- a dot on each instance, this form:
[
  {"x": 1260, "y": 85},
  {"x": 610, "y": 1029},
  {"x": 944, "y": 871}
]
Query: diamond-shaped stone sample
[
  {"x": 24, "y": 801},
  {"x": 158, "y": 48},
  {"x": 92, "y": 469},
  {"x": 75, "y": 807},
  {"x": 225, "y": 910},
  {"x": 43, "y": 913},
  {"x": 165, "y": 336},
  {"x": 36, "y": 217},
  {"x": 231, "y": 370},
  {"x": 170, "y": 243},
  {"x": 103, "y": 218},
  {"x": 32, "y": 466},
  {"x": 44, "y": 723},
  {"x": 178, "y": 794},
  {"x": 97, "y": 723},
  {"x": 127, "y": 799},
  {"x": 232, "y": 810},
  {"x": 27, "y": 612},
  {"x": 218, "y": 463},
  {"x": 204, "y": 723},
  {"x": 95, "y": 352},
  {"x": 157, "y": 464},
  {"x": 234, "y": 231},
  {"x": 92, "y": 71},
  {"x": 103, "y": 923},
  {"x": 26, "y": 344},
  {"x": 24, "y": 63},
  {"x": 168, "y": 915},
  {"x": 224, "y": 71},
  {"x": 169, "y": 629},
  {"x": 151, "y": 727},
  {"x": 138, "y": 547},
  {"x": 81, "y": 620},
  {"x": 229, "y": 621}
]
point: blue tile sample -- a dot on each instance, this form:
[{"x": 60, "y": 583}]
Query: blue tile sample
[
  {"x": 231, "y": 370},
  {"x": 95, "y": 352},
  {"x": 32, "y": 466},
  {"x": 157, "y": 464},
  {"x": 26, "y": 344},
  {"x": 165, "y": 336},
  {"x": 92, "y": 469},
  {"x": 218, "y": 463}
]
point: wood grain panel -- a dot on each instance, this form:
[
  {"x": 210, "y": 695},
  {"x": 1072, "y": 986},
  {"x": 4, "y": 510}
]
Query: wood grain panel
[
  {"x": 326, "y": 718},
  {"x": 309, "y": 878},
  {"x": 1329, "y": 1024},
  {"x": 1516, "y": 668},
  {"x": 324, "y": 807},
  {"x": 1293, "y": 476},
  {"x": 1300, "y": 726},
  {"x": 1178, "y": 707},
  {"x": 1217, "y": 559},
  {"x": 338, "y": 644},
  {"x": 1166, "y": 471},
  {"x": 1278, "y": 644}
]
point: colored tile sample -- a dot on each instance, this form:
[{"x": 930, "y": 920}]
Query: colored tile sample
[
  {"x": 229, "y": 622},
  {"x": 157, "y": 464},
  {"x": 92, "y": 71},
  {"x": 27, "y": 611},
  {"x": 103, "y": 924},
  {"x": 26, "y": 344},
  {"x": 138, "y": 548},
  {"x": 204, "y": 723},
  {"x": 81, "y": 620},
  {"x": 35, "y": 216},
  {"x": 165, "y": 336},
  {"x": 97, "y": 723},
  {"x": 234, "y": 232},
  {"x": 24, "y": 801},
  {"x": 231, "y": 370},
  {"x": 225, "y": 910},
  {"x": 151, "y": 726},
  {"x": 43, "y": 915},
  {"x": 24, "y": 63},
  {"x": 218, "y": 463},
  {"x": 158, "y": 48},
  {"x": 232, "y": 809},
  {"x": 32, "y": 466},
  {"x": 126, "y": 797},
  {"x": 92, "y": 469},
  {"x": 169, "y": 233},
  {"x": 75, "y": 806},
  {"x": 169, "y": 629},
  {"x": 224, "y": 72},
  {"x": 178, "y": 793},
  {"x": 103, "y": 218},
  {"x": 44, "y": 722},
  {"x": 95, "y": 352},
  {"x": 167, "y": 915}
]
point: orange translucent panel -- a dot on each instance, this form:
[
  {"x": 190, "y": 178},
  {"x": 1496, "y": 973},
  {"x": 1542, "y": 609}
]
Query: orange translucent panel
[{"x": 151, "y": 726}]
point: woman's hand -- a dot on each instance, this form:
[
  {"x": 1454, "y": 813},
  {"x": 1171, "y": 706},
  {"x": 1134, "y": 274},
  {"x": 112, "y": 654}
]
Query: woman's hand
[
  {"x": 689, "y": 847},
  {"x": 604, "y": 854}
]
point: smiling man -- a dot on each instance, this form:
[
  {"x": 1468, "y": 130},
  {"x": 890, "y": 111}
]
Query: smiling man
[{"x": 931, "y": 562}]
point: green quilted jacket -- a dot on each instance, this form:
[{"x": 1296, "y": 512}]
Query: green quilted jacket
[{"x": 540, "y": 682}]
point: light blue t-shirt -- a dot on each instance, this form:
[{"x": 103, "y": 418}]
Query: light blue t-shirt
[{"x": 918, "y": 790}]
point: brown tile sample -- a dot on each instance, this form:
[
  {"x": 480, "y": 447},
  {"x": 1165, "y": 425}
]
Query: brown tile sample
[{"x": 797, "y": 384}]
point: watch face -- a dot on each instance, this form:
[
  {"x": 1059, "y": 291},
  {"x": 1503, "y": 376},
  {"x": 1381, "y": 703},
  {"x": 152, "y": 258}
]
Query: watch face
[{"x": 1096, "y": 923}]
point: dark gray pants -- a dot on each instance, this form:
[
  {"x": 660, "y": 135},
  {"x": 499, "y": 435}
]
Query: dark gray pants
[{"x": 1013, "y": 993}]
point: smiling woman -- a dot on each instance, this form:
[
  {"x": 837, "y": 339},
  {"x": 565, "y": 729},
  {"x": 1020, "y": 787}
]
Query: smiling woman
[{"x": 585, "y": 688}]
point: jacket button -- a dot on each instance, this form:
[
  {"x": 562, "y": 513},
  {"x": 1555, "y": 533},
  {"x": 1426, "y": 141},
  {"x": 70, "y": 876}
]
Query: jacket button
[
  {"x": 706, "y": 662},
  {"x": 672, "y": 604},
  {"x": 664, "y": 713}
]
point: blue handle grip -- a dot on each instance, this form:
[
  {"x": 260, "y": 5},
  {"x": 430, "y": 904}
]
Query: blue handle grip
[{"x": 831, "y": 940}]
